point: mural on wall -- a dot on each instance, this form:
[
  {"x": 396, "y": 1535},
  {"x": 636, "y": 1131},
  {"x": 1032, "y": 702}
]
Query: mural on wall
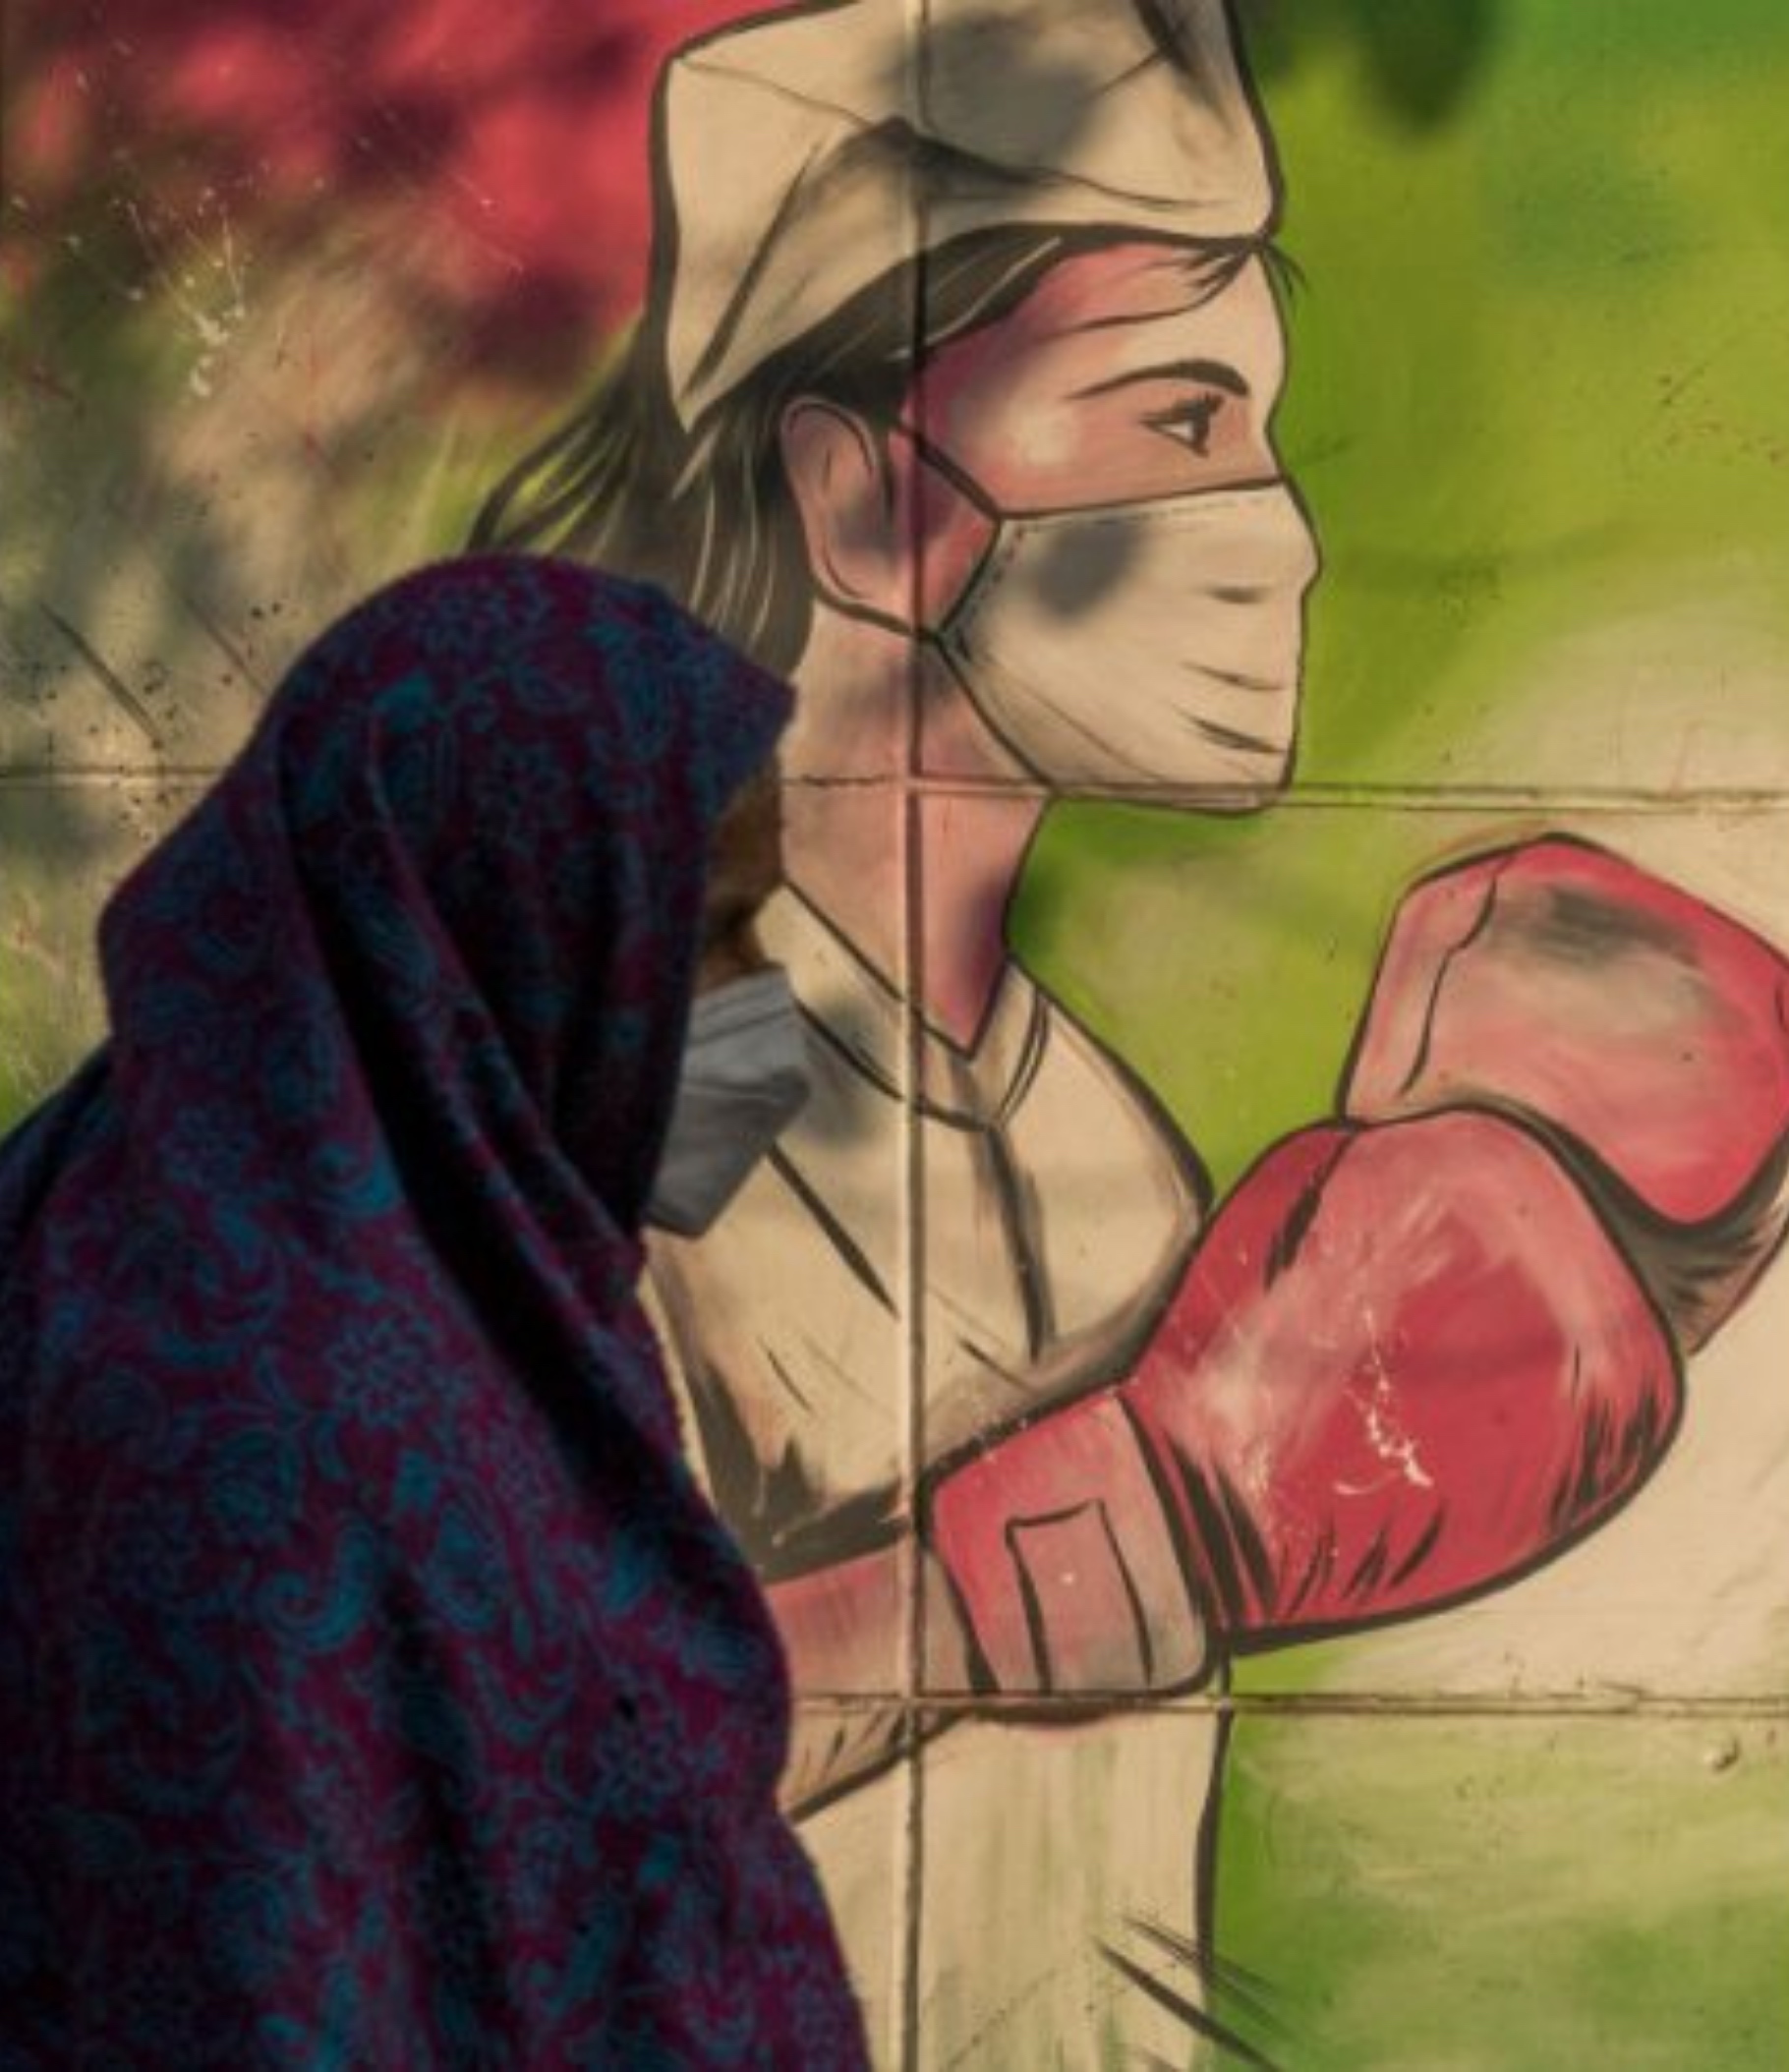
[{"x": 1132, "y": 1301}]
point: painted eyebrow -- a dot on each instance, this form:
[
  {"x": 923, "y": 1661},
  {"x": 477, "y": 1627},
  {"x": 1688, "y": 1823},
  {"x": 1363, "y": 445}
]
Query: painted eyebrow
[{"x": 1209, "y": 374}]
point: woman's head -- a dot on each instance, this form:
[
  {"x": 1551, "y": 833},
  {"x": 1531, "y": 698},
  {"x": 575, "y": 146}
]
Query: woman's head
[
  {"x": 459, "y": 878},
  {"x": 839, "y": 192},
  {"x": 871, "y": 466}
]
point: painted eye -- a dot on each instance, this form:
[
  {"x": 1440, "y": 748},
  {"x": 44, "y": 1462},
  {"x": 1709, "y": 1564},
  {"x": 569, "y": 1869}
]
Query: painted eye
[{"x": 1191, "y": 420}]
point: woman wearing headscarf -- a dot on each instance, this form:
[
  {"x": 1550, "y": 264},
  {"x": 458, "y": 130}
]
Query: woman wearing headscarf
[{"x": 377, "y": 1687}]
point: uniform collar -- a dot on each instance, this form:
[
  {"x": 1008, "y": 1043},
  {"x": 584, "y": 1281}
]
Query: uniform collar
[{"x": 861, "y": 1017}]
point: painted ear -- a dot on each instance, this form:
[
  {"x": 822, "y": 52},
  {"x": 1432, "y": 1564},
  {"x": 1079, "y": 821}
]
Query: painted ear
[
  {"x": 847, "y": 485},
  {"x": 887, "y": 537}
]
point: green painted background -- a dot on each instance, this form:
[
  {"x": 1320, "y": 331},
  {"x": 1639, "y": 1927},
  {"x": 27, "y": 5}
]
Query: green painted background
[{"x": 1540, "y": 407}]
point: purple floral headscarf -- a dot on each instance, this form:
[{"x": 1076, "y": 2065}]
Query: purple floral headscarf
[{"x": 377, "y": 1687}]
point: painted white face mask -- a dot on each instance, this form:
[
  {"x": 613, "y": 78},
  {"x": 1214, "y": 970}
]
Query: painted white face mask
[
  {"x": 1143, "y": 644},
  {"x": 745, "y": 1079}
]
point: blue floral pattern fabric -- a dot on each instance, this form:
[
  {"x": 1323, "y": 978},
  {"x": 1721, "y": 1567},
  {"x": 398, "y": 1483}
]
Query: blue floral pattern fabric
[{"x": 377, "y": 1687}]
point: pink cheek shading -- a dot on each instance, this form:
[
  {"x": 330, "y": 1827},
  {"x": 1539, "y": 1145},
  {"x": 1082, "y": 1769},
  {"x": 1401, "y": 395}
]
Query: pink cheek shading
[
  {"x": 953, "y": 534},
  {"x": 981, "y": 402}
]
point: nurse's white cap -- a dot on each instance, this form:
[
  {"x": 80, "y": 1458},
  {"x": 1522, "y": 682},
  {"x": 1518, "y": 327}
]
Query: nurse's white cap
[{"x": 804, "y": 155}]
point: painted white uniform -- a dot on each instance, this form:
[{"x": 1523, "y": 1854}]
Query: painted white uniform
[
  {"x": 1054, "y": 1208},
  {"x": 920, "y": 1266}
]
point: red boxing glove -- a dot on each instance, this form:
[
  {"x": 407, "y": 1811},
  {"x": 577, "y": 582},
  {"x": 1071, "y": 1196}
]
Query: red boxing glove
[
  {"x": 1407, "y": 1363},
  {"x": 1559, "y": 981}
]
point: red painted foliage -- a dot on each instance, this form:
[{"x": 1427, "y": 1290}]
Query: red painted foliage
[{"x": 512, "y": 139}]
